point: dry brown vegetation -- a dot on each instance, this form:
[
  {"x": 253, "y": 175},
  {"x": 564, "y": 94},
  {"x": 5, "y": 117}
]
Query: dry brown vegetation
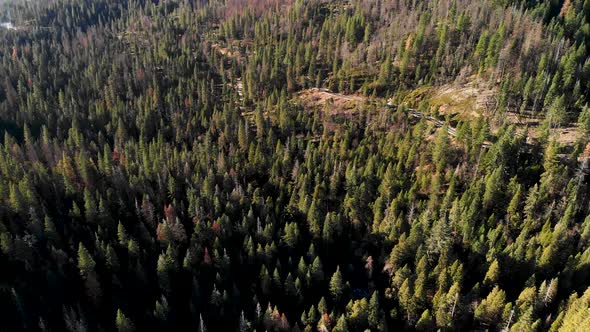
[
  {"x": 460, "y": 100},
  {"x": 476, "y": 98},
  {"x": 334, "y": 103},
  {"x": 337, "y": 108}
]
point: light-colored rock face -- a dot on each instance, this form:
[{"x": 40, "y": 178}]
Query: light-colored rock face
[{"x": 7, "y": 25}]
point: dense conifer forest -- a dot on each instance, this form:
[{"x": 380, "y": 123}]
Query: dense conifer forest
[{"x": 294, "y": 165}]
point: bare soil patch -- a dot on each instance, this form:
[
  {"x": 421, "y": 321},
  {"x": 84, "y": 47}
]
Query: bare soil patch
[
  {"x": 464, "y": 100},
  {"x": 330, "y": 102}
]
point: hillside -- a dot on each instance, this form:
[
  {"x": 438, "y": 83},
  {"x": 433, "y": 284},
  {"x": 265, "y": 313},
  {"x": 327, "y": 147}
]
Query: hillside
[{"x": 304, "y": 165}]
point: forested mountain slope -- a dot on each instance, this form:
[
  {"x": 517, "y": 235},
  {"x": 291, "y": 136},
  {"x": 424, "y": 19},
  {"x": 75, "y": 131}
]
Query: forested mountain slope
[{"x": 294, "y": 165}]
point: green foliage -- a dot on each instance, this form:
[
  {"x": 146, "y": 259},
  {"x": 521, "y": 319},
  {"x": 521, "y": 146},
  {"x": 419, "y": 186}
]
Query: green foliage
[
  {"x": 86, "y": 263},
  {"x": 180, "y": 147},
  {"x": 493, "y": 274},
  {"x": 341, "y": 325},
  {"x": 123, "y": 323},
  {"x": 576, "y": 314},
  {"x": 489, "y": 311},
  {"x": 336, "y": 286}
]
